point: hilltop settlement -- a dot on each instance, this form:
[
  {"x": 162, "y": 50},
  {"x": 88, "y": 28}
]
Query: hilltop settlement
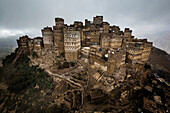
[
  {"x": 95, "y": 67},
  {"x": 104, "y": 45}
]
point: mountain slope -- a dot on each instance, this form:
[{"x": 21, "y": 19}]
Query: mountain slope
[
  {"x": 160, "y": 60},
  {"x": 161, "y": 40}
]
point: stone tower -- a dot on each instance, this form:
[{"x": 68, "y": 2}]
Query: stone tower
[
  {"x": 47, "y": 34},
  {"x": 97, "y": 20},
  {"x": 72, "y": 44},
  {"x": 128, "y": 33},
  {"x": 116, "y": 58},
  {"x": 58, "y": 34}
]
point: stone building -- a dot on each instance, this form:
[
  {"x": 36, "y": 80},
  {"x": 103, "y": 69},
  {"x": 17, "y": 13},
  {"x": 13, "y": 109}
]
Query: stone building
[
  {"x": 72, "y": 44},
  {"x": 98, "y": 57},
  {"x": 111, "y": 40},
  {"x": 96, "y": 54},
  {"x": 31, "y": 45},
  {"x": 94, "y": 35},
  {"x": 138, "y": 50},
  {"x": 93, "y": 30},
  {"x": 59, "y": 34},
  {"x": 28, "y": 45},
  {"x": 48, "y": 35},
  {"x": 109, "y": 60},
  {"x": 116, "y": 58},
  {"x": 98, "y": 20},
  {"x": 38, "y": 43},
  {"x": 98, "y": 41},
  {"x": 87, "y": 23},
  {"x": 106, "y": 27},
  {"x": 23, "y": 44},
  {"x": 78, "y": 25},
  {"x": 85, "y": 51},
  {"x": 127, "y": 33}
]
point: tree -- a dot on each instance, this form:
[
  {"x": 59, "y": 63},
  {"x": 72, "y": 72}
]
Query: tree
[
  {"x": 34, "y": 55},
  {"x": 66, "y": 65},
  {"x": 60, "y": 66},
  {"x": 62, "y": 54},
  {"x": 72, "y": 64}
]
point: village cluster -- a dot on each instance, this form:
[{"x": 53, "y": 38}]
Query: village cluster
[{"x": 97, "y": 41}]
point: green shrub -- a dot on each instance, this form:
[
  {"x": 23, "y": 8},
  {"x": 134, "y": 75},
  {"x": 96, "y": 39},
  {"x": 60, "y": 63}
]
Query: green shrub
[
  {"x": 25, "y": 76},
  {"x": 57, "y": 56},
  {"x": 66, "y": 65},
  {"x": 58, "y": 63},
  {"x": 60, "y": 66},
  {"x": 9, "y": 59},
  {"x": 79, "y": 78},
  {"x": 74, "y": 76},
  {"x": 34, "y": 55},
  {"x": 72, "y": 64},
  {"x": 62, "y": 54}
]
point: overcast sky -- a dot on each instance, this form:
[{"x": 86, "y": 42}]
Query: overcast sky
[{"x": 19, "y": 17}]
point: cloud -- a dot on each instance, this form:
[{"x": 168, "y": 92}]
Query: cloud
[
  {"x": 142, "y": 16},
  {"x": 5, "y": 33}
]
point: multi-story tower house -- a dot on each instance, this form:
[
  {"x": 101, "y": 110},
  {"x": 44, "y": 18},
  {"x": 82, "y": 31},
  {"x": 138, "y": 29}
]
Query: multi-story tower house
[
  {"x": 48, "y": 35},
  {"x": 72, "y": 44},
  {"x": 113, "y": 39},
  {"x": 87, "y": 23},
  {"x": 116, "y": 58},
  {"x": 27, "y": 45},
  {"x": 92, "y": 31},
  {"x": 102, "y": 44},
  {"x": 128, "y": 33},
  {"x": 78, "y": 25},
  {"x": 146, "y": 51},
  {"x": 95, "y": 30},
  {"x": 59, "y": 34},
  {"x": 106, "y": 27},
  {"x": 38, "y": 42},
  {"x": 31, "y": 45},
  {"x": 138, "y": 50},
  {"x": 94, "y": 35},
  {"x": 98, "y": 20},
  {"x": 114, "y": 28},
  {"x": 23, "y": 44}
]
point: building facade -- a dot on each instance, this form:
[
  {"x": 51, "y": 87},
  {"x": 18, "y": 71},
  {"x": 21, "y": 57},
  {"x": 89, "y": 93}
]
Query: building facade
[
  {"x": 72, "y": 44},
  {"x": 48, "y": 36},
  {"x": 96, "y": 40}
]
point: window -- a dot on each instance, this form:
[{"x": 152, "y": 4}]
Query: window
[{"x": 137, "y": 45}]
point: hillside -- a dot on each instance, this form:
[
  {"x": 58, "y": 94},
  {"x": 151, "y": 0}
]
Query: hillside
[
  {"x": 160, "y": 60},
  {"x": 7, "y": 46},
  {"x": 28, "y": 88}
]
